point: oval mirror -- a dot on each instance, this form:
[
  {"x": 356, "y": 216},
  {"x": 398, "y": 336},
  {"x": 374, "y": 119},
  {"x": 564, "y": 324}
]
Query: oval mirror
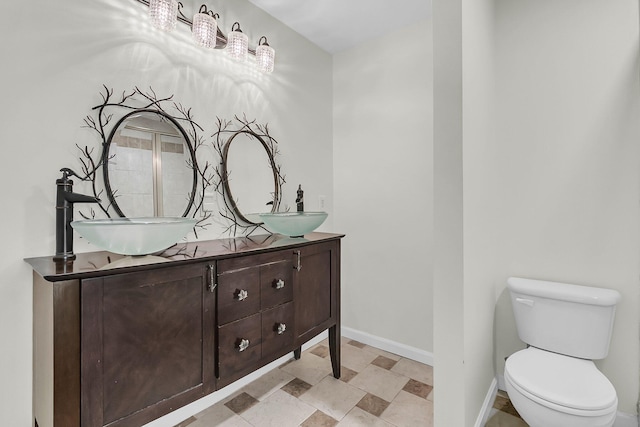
[
  {"x": 251, "y": 181},
  {"x": 148, "y": 167}
]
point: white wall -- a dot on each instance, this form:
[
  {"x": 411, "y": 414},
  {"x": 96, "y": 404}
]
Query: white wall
[
  {"x": 479, "y": 176},
  {"x": 464, "y": 128},
  {"x": 383, "y": 163},
  {"x": 55, "y": 59},
  {"x": 568, "y": 151}
]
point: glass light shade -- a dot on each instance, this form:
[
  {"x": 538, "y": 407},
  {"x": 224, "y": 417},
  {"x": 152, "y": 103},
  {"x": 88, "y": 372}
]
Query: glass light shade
[
  {"x": 164, "y": 14},
  {"x": 204, "y": 30},
  {"x": 238, "y": 45},
  {"x": 265, "y": 57}
]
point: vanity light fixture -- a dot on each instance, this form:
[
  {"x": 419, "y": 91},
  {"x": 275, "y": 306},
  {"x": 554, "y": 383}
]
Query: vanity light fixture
[
  {"x": 238, "y": 43},
  {"x": 205, "y": 27},
  {"x": 163, "y": 14},
  {"x": 206, "y": 32},
  {"x": 265, "y": 56}
]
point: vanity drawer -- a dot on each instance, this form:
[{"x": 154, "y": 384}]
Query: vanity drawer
[
  {"x": 276, "y": 280},
  {"x": 238, "y": 294},
  {"x": 277, "y": 328},
  {"x": 239, "y": 345}
]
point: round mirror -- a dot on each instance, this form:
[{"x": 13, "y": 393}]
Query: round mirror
[
  {"x": 251, "y": 180},
  {"x": 149, "y": 166}
]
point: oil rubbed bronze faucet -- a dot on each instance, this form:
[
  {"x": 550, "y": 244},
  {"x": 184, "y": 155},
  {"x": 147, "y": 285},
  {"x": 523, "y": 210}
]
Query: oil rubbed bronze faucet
[
  {"x": 300, "y": 199},
  {"x": 65, "y": 199}
]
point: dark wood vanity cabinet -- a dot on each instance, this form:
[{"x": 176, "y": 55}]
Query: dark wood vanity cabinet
[{"x": 121, "y": 347}]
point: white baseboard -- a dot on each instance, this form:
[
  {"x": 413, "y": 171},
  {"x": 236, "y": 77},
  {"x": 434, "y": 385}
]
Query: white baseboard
[
  {"x": 400, "y": 349},
  {"x": 181, "y": 414},
  {"x": 485, "y": 411}
]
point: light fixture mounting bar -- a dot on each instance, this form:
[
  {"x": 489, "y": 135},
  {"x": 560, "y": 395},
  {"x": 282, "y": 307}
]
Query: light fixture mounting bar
[{"x": 220, "y": 36}]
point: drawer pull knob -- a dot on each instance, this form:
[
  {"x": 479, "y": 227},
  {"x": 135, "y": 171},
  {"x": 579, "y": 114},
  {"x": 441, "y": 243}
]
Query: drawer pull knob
[
  {"x": 279, "y": 284},
  {"x": 243, "y": 345},
  {"x": 280, "y": 328},
  {"x": 242, "y": 295}
]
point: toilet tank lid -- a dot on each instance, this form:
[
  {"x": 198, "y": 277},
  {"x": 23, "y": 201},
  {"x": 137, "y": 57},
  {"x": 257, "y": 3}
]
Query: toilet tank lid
[{"x": 564, "y": 291}]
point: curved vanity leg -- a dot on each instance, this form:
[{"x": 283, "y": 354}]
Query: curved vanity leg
[
  {"x": 297, "y": 353},
  {"x": 334, "y": 349}
]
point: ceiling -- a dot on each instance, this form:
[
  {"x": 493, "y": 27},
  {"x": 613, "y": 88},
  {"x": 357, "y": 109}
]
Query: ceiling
[{"x": 336, "y": 25}]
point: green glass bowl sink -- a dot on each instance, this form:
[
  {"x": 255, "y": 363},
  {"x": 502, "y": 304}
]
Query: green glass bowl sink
[
  {"x": 293, "y": 224},
  {"x": 134, "y": 236}
]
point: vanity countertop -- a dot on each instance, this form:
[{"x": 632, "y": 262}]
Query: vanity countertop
[{"x": 102, "y": 263}]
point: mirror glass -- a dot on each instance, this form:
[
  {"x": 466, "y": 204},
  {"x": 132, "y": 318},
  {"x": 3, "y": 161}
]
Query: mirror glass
[
  {"x": 149, "y": 166},
  {"x": 251, "y": 182}
]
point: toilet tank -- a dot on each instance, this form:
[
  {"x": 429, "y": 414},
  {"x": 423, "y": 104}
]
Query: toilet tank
[{"x": 568, "y": 319}]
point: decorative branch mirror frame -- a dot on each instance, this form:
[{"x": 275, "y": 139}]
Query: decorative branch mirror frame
[
  {"x": 227, "y": 132},
  {"x": 107, "y": 119}
]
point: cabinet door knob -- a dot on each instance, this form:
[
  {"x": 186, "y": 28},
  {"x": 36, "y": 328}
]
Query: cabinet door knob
[
  {"x": 280, "y": 328},
  {"x": 278, "y": 284},
  {"x": 242, "y": 295},
  {"x": 243, "y": 344}
]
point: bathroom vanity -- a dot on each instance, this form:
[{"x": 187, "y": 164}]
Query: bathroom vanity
[{"x": 122, "y": 341}]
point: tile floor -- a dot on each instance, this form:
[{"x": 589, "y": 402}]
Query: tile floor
[
  {"x": 504, "y": 414},
  {"x": 377, "y": 388}
]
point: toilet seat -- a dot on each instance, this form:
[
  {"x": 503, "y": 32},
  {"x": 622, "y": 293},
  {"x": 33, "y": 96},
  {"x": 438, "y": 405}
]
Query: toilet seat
[{"x": 566, "y": 384}]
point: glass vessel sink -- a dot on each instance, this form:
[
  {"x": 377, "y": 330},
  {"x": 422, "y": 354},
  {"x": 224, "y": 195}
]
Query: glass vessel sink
[
  {"x": 134, "y": 236},
  {"x": 293, "y": 224}
]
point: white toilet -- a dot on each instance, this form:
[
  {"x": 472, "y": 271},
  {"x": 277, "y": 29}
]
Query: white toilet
[{"x": 554, "y": 383}]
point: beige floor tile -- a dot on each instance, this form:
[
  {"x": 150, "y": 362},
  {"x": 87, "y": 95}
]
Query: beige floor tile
[
  {"x": 502, "y": 403},
  {"x": 186, "y": 422},
  {"x": 502, "y": 419},
  {"x": 347, "y": 374},
  {"x": 384, "y": 362},
  {"x": 309, "y": 368},
  {"x": 268, "y": 383},
  {"x": 218, "y": 415},
  {"x": 408, "y": 410},
  {"x": 280, "y": 409},
  {"x": 373, "y": 404},
  {"x": 296, "y": 387},
  {"x": 356, "y": 344},
  {"x": 359, "y": 418},
  {"x": 355, "y": 358},
  {"x": 419, "y": 389},
  {"x": 416, "y": 370},
  {"x": 241, "y": 403},
  {"x": 333, "y": 397},
  {"x": 320, "y": 351},
  {"x": 319, "y": 419},
  {"x": 379, "y": 352},
  {"x": 380, "y": 382}
]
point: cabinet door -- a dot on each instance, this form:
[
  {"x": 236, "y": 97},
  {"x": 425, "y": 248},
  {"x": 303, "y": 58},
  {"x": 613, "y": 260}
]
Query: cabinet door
[
  {"x": 147, "y": 344},
  {"x": 316, "y": 292}
]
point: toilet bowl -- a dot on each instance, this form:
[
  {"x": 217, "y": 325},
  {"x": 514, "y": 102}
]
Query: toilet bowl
[
  {"x": 554, "y": 382},
  {"x": 550, "y": 389}
]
